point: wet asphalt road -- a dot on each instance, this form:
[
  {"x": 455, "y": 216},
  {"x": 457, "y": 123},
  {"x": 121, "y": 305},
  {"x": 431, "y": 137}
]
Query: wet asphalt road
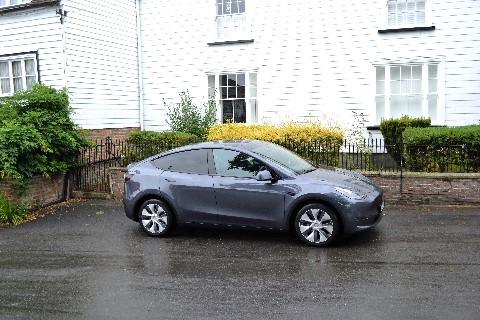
[{"x": 88, "y": 261}]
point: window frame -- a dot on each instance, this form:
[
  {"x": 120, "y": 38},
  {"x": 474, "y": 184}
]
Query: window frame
[
  {"x": 424, "y": 93},
  {"x": 426, "y": 25},
  {"x": 15, "y": 4},
  {"x": 22, "y": 57},
  {"x": 251, "y": 93},
  {"x": 234, "y": 32}
]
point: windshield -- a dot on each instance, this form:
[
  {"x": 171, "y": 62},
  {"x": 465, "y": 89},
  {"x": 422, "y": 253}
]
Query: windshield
[{"x": 281, "y": 156}]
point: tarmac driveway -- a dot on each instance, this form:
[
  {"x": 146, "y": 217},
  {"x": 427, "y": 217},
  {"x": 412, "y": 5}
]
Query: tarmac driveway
[{"x": 86, "y": 260}]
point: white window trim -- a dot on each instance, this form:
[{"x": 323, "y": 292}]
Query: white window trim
[
  {"x": 22, "y": 58},
  {"x": 15, "y": 4},
  {"x": 424, "y": 61},
  {"x": 251, "y": 116},
  {"x": 428, "y": 18},
  {"x": 243, "y": 37}
]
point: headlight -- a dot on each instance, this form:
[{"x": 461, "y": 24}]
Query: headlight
[{"x": 350, "y": 194}]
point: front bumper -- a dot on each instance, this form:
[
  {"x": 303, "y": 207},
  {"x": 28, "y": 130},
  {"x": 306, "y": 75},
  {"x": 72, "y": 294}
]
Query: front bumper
[{"x": 365, "y": 215}]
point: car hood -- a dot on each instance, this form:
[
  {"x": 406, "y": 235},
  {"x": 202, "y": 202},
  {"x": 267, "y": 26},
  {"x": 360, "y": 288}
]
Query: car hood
[{"x": 341, "y": 178}]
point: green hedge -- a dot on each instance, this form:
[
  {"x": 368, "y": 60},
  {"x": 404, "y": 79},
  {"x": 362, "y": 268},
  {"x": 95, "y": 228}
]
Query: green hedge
[
  {"x": 143, "y": 144},
  {"x": 392, "y": 130},
  {"x": 454, "y": 149}
]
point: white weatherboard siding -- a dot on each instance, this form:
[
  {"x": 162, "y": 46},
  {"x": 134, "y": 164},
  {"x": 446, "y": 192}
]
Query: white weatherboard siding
[
  {"x": 456, "y": 38},
  {"x": 35, "y": 30},
  {"x": 102, "y": 72},
  {"x": 174, "y": 37},
  {"x": 314, "y": 58}
]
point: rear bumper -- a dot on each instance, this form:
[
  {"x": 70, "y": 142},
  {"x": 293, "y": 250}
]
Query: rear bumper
[{"x": 128, "y": 206}]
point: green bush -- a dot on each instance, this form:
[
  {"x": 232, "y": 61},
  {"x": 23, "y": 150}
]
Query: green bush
[
  {"x": 37, "y": 135},
  {"x": 454, "y": 149},
  {"x": 143, "y": 144},
  {"x": 11, "y": 212},
  {"x": 187, "y": 117},
  {"x": 392, "y": 130}
]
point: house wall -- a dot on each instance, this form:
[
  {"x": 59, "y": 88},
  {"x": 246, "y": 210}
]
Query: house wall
[
  {"x": 314, "y": 58},
  {"x": 38, "y": 30},
  {"x": 102, "y": 67}
]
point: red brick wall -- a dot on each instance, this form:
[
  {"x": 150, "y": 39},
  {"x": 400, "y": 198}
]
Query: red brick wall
[
  {"x": 430, "y": 188},
  {"x": 115, "y": 133},
  {"x": 42, "y": 190},
  {"x": 116, "y": 182}
]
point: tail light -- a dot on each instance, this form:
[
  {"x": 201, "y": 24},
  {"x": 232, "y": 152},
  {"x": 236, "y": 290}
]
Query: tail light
[{"x": 127, "y": 177}]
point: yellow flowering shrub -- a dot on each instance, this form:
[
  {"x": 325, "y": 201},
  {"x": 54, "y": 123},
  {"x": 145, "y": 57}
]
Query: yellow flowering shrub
[
  {"x": 296, "y": 132},
  {"x": 312, "y": 140}
]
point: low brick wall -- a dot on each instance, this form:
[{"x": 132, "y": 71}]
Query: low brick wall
[
  {"x": 116, "y": 182},
  {"x": 114, "y": 133},
  {"x": 429, "y": 188},
  {"x": 406, "y": 189},
  {"x": 42, "y": 190}
]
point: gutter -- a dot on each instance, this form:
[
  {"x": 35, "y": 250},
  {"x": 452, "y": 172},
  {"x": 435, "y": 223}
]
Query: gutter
[
  {"x": 29, "y": 5},
  {"x": 140, "y": 66}
]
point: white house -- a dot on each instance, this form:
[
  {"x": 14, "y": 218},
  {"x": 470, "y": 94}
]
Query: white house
[
  {"x": 263, "y": 60},
  {"x": 90, "y": 47}
]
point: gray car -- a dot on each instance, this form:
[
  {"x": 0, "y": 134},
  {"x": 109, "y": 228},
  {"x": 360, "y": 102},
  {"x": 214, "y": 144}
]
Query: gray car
[{"x": 249, "y": 183}]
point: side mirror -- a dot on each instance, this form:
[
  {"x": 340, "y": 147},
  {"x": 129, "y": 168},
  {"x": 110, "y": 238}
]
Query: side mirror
[{"x": 264, "y": 175}]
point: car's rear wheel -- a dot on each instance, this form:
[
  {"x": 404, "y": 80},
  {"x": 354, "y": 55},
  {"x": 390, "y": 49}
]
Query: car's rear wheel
[
  {"x": 155, "y": 218},
  {"x": 317, "y": 225}
]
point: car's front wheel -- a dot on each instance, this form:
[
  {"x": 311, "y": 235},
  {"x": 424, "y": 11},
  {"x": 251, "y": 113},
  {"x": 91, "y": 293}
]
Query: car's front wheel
[
  {"x": 317, "y": 225},
  {"x": 155, "y": 218}
]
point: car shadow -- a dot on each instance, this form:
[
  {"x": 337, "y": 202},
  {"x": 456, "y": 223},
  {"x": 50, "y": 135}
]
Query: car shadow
[{"x": 256, "y": 236}]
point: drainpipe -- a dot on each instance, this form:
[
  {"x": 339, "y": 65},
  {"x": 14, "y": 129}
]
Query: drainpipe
[
  {"x": 140, "y": 65},
  {"x": 63, "y": 14}
]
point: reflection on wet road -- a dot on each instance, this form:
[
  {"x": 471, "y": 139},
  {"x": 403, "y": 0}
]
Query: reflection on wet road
[{"x": 78, "y": 264}]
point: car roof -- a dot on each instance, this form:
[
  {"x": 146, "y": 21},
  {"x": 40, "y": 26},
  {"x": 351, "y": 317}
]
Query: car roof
[
  {"x": 247, "y": 145},
  {"x": 244, "y": 144}
]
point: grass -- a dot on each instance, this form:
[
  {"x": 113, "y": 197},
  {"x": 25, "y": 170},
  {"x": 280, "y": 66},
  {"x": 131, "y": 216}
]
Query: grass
[{"x": 11, "y": 212}]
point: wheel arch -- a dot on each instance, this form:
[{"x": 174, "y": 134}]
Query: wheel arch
[
  {"x": 160, "y": 197},
  {"x": 311, "y": 200}
]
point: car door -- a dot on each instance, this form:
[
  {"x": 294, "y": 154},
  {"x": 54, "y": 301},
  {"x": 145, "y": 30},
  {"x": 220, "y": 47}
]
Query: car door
[
  {"x": 189, "y": 185},
  {"x": 241, "y": 199}
]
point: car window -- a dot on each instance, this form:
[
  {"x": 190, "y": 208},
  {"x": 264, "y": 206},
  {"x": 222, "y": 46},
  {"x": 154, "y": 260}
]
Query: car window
[
  {"x": 192, "y": 161},
  {"x": 282, "y": 156},
  {"x": 230, "y": 163}
]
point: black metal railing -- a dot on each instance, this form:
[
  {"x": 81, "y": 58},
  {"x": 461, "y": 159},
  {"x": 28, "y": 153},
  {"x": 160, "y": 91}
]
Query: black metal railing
[{"x": 369, "y": 155}]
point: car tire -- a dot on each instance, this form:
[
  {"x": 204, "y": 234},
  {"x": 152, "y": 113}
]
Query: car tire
[
  {"x": 317, "y": 225},
  {"x": 155, "y": 218}
]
